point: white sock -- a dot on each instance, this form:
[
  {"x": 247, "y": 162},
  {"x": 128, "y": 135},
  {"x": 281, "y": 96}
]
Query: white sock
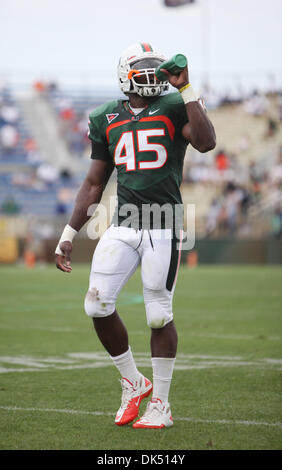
[
  {"x": 126, "y": 365},
  {"x": 162, "y": 375}
]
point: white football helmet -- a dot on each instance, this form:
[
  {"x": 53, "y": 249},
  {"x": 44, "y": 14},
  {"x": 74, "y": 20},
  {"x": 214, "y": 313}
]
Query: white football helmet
[{"x": 136, "y": 70}]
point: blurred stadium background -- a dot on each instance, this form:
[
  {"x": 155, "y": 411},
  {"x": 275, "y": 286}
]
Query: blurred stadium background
[
  {"x": 58, "y": 62},
  {"x": 44, "y": 155}
]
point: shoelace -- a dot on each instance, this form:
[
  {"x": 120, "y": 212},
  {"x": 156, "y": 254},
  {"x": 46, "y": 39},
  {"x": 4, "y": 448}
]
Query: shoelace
[{"x": 127, "y": 389}]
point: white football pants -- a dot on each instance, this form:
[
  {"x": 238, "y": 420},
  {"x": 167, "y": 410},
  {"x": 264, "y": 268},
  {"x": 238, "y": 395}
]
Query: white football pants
[{"x": 118, "y": 254}]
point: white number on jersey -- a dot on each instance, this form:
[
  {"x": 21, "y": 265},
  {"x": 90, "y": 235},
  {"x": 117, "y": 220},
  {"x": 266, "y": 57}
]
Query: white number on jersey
[{"x": 125, "y": 152}]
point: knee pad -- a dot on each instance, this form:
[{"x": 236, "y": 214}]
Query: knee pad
[
  {"x": 96, "y": 306},
  {"x": 158, "y": 310}
]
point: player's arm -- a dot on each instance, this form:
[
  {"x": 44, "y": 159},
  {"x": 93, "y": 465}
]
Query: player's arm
[
  {"x": 199, "y": 131},
  {"x": 90, "y": 193}
]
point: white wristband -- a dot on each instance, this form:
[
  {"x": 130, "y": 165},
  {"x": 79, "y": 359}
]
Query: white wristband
[
  {"x": 188, "y": 94},
  {"x": 67, "y": 236}
]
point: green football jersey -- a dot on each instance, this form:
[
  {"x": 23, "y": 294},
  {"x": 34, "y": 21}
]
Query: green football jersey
[{"x": 147, "y": 150}]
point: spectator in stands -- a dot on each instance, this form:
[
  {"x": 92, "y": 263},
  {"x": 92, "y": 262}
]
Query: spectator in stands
[
  {"x": 256, "y": 190},
  {"x": 30, "y": 145},
  {"x": 66, "y": 176},
  {"x": 230, "y": 211},
  {"x": 52, "y": 87},
  {"x": 9, "y": 113},
  {"x": 27, "y": 180},
  {"x": 67, "y": 114},
  {"x": 33, "y": 155},
  {"x": 233, "y": 95},
  {"x": 276, "y": 222},
  {"x": 221, "y": 161},
  {"x": 9, "y": 138},
  {"x": 275, "y": 174},
  {"x": 257, "y": 176},
  {"x": 257, "y": 104},
  {"x": 10, "y": 206},
  {"x": 40, "y": 87},
  {"x": 244, "y": 143},
  {"x": 279, "y": 104},
  {"x": 212, "y": 217},
  {"x": 254, "y": 173},
  {"x": 64, "y": 200},
  {"x": 231, "y": 204},
  {"x": 271, "y": 127},
  {"x": 47, "y": 173},
  {"x": 211, "y": 97},
  {"x": 222, "y": 219},
  {"x": 45, "y": 88},
  {"x": 245, "y": 202}
]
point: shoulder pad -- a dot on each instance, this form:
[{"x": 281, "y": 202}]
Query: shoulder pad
[{"x": 103, "y": 109}]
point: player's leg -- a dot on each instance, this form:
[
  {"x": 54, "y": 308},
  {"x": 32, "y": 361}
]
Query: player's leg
[
  {"x": 114, "y": 261},
  {"x": 112, "y": 333},
  {"x": 159, "y": 285}
]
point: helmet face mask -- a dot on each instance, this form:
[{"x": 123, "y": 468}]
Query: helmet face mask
[{"x": 136, "y": 71}]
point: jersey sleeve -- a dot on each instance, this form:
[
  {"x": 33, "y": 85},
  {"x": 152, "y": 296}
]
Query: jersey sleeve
[{"x": 99, "y": 144}]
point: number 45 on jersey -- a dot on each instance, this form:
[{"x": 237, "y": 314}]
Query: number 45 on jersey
[{"x": 124, "y": 153}]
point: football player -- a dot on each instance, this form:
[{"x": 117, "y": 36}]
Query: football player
[{"x": 144, "y": 137}]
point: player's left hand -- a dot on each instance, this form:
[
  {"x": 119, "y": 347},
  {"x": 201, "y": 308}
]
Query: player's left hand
[
  {"x": 63, "y": 261},
  {"x": 178, "y": 81}
]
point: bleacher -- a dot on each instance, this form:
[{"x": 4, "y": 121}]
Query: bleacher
[
  {"x": 19, "y": 181},
  {"x": 245, "y": 137},
  {"x": 238, "y": 133},
  {"x": 17, "y": 155}
]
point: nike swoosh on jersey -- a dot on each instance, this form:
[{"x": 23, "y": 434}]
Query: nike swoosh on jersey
[{"x": 155, "y": 111}]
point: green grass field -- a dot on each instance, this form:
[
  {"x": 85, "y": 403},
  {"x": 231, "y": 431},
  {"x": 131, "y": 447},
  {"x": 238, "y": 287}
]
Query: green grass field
[{"x": 59, "y": 389}]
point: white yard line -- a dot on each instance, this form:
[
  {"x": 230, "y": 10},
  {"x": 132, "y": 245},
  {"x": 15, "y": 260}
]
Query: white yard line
[
  {"x": 93, "y": 360},
  {"x": 255, "y": 336},
  {"x": 102, "y": 413}
]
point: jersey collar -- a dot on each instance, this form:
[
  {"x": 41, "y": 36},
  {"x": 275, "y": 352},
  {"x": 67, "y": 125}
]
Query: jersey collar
[{"x": 128, "y": 109}]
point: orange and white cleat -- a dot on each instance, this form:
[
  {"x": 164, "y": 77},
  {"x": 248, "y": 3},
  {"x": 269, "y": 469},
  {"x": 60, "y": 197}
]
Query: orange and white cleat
[
  {"x": 157, "y": 415},
  {"x": 132, "y": 395}
]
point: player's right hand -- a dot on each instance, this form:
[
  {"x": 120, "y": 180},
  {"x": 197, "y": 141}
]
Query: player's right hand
[
  {"x": 63, "y": 261},
  {"x": 177, "y": 81}
]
